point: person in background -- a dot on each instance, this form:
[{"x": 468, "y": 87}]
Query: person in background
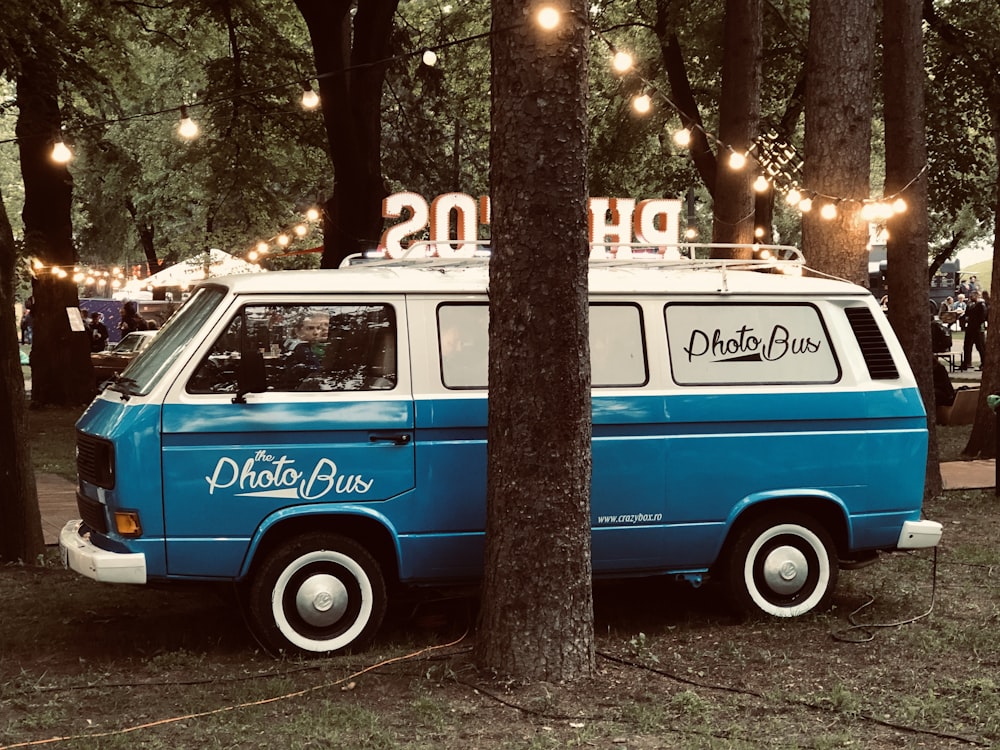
[
  {"x": 960, "y": 307},
  {"x": 131, "y": 320},
  {"x": 27, "y": 324},
  {"x": 98, "y": 332},
  {"x": 304, "y": 349},
  {"x": 975, "y": 315}
]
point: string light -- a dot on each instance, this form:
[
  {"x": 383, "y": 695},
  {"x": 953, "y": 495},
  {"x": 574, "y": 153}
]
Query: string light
[
  {"x": 310, "y": 99},
  {"x": 828, "y": 211},
  {"x": 429, "y": 58},
  {"x": 682, "y": 137},
  {"x": 312, "y": 214},
  {"x": 737, "y": 160},
  {"x": 622, "y": 62},
  {"x": 548, "y": 18},
  {"x": 642, "y": 104},
  {"x": 61, "y": 153},
  {"x": 761, "y": 184},
  {"x": 187, "y": 128}
]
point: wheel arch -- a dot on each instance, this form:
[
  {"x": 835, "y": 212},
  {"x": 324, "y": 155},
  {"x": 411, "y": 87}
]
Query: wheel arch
[
  {"x": 372, "y": 533},
  {"x": 825, "y": 508}
]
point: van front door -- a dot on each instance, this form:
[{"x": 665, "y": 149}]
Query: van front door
[{"x": 333, "y": 428}]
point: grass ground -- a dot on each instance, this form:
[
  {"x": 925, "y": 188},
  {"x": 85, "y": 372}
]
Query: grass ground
[{"x": 907, "y": 656}]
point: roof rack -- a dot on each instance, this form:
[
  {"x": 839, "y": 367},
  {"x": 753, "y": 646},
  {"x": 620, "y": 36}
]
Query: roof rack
[{"x": 784, "y": 258}]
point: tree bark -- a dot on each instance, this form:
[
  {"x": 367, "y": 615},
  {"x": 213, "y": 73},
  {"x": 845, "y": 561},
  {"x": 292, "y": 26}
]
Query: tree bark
[
  {"x": 20, "y": 521},
  {"x": 905, "y": 161},
  {"x": 739, "y": 117},
  {"x": 351, "y": 69},
  {"x": 536, "y": 620},
  {"x": 838, "y": 135},
  {"x": 61, "y": 372}
]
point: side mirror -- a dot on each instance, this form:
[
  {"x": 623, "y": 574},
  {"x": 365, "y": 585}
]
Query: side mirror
[{"x": 250, "y": 375}]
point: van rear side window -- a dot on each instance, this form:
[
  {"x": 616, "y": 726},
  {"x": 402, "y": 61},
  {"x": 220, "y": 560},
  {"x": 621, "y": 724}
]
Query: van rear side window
[
  {"x": 617, "y": 345},
  {"x": 343, "y": 347}
]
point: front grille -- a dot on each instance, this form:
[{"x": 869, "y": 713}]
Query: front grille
[
  {"x": 92, "y": 513},
  {"x": 875, "y": 351},
  {"x": 95, "y": 460}
]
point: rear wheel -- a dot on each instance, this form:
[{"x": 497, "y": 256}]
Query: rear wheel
[
  {"x": 318, "y": 593},
  {"x": 782, "y": 565}
]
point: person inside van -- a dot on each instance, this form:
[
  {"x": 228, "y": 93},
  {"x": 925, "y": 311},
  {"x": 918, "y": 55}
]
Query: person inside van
[{"x": 304, "y": 348}]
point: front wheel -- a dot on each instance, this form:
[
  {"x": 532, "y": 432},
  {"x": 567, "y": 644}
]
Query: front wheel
[
  {"x": 781, "y": 565},
  {"x": 317, "y": 593}
]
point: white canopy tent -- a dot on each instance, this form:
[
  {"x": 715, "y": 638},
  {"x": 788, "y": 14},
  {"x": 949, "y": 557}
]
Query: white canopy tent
[{"x": 214, "y": 262}]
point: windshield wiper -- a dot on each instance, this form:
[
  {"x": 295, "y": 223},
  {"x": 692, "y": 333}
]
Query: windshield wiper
[{"x": 123, "y": 386}]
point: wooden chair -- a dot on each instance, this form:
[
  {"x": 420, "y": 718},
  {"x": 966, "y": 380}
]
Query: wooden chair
[{"x": 962, "y": 411}]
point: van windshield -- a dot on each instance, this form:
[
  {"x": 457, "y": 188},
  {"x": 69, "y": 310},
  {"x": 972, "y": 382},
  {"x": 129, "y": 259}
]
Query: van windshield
[{"x": 169, "y": 342}]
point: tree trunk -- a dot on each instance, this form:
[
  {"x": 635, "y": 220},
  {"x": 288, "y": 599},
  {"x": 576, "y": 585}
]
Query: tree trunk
[
  {"x": 61, "y": 372},
  {"x": 20, "y": 522},
  {"x": 739, "y": 116},
  {"x": 838, "y": 135},
  {"x": 536, "y": 621},
  {"x": 351, "y": 70},
  {"x": 905, "y": 161}
]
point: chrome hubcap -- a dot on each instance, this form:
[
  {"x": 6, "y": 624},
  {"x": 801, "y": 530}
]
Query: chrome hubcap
[
  {"x": 785, "y": 569},
  {"x": 321, "y": 600}
]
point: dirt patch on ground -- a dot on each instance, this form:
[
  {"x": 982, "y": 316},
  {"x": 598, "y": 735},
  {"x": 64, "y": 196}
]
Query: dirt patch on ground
[{"x": 116, "y": 666}]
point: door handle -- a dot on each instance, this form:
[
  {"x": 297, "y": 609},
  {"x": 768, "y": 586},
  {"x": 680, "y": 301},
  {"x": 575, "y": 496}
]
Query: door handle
[{"x": 402, "y": 438}]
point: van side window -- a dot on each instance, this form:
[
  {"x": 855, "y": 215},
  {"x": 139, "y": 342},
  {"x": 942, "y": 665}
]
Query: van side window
[
  {"x": 617, "y": 346},
  {"x": 344, "y": 347},
  {"x": 463, "y": 344}
]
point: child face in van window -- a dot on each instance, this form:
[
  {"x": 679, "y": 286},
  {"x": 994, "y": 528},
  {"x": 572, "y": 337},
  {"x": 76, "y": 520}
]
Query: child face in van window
[{"x": 313, "y": 328}]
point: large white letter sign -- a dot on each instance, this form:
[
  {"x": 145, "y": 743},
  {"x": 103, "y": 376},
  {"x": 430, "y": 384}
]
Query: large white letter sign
[
  {"x": 466, "y": 225},
  {"x": 619, "y": 228},
  {"x": 658, "y": 222},
  {"x": 392, "y": 208}
]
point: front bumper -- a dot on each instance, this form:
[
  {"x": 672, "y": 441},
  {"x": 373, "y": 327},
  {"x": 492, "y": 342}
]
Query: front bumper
[
  {"x": 79, "y": 553},
  {"x": 919, "y": 535}
]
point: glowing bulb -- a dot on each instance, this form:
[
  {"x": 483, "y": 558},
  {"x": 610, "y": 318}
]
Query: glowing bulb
[
  {"x": 252, "y": 255},
  {"x": 61, "y": 153},
  {"x": 310, "y": 99},
  {"x": 283, "y": 240},
  {"x": 761, "y": 184},
  {"x": 899, "y": 206},
  {"x": 869, "y": 212},
  {"x": 622, "y": 62},
  {"x": 794, "y": 197},
  {"x": 78, "y": 277},
  {"x": 690, "y": 233},
  {"x": 758, "y": 232},
  {"x": 828, "y": 211},
  {"x": 737, "y": 160},
  {"x": 187, "y": 128},
  {"x": 548, "y": 18},
  {"x": 115, "y": 284},
  {"x": 682, "y": 137},
  {"x": 805, "y": 205},
  {"x": 312, "y": 214},
  {"x": 262, "y": 247},
  {"x": 301, "y": 230},
  {"x": 430, "y": 58},
  {"x": 642, "y": 104}
]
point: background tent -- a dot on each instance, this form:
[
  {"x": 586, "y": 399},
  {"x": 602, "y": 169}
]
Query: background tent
[{"x": 215, "y": 262}]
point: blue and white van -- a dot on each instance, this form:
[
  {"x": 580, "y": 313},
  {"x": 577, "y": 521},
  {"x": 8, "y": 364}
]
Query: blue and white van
[{"x": 319, "y": 438}]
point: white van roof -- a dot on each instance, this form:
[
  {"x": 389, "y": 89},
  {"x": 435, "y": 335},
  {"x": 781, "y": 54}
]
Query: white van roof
[{"x": 471, "y": 276}]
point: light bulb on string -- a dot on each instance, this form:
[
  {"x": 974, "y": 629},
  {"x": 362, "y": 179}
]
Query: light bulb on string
[
  {"x": 312, "y": 214},
  {"x": 262, "y": 247},
  {"x": 548, "y": 18},
  {"x": 737, "y": 160},
  {"x": 61, "y": 153},
  {"x": 761, "y": 184},
  {"x": 682, "y": 137},
  {"x": 828, "y": 211},
  {"x": 187, "y": 128},
  {"x": 793, "y": 197},
  {"x": 283, "y": 240},
  {"x": 429, "y": 58},
  {"x": 622, "y": 62},
  {"x": 301, "y": 230},
  {"x": 899, "y": 206},
  {"x": 805, "y": 205},
  {"x": 642, "y": 104},
  {"x": 310, "y": 99}
]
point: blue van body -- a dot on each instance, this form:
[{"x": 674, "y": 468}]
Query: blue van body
[{"x": 760, "y": 427}]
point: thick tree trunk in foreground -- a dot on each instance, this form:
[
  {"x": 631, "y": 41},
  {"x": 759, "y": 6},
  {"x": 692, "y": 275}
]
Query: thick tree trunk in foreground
[
  {"x": 20, "y": 522},
  {"x": 905, "y": 160},
  {"x": 536, "y": 621}
]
